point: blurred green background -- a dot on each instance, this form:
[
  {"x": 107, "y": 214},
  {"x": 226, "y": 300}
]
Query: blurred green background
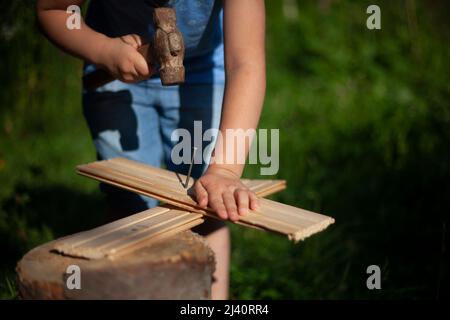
[{"x": 365, "y": 138}]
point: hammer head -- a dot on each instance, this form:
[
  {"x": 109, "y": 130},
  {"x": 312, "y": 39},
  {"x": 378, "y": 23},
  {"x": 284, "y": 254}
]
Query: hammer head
[{"x": 168, "y": 47}]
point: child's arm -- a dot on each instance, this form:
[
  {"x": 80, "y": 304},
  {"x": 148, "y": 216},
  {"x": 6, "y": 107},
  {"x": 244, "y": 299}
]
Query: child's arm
[
  {"x": 244, "y": 35},
  {"x": 119, "y": 56}
]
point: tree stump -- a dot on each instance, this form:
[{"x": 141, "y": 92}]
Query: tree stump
[{"x": 179, "y": 267}]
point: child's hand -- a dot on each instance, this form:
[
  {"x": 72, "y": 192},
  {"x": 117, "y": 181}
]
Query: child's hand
[
  {"x": 222, "y": 190},
  {"x": 120, "y": 56}
]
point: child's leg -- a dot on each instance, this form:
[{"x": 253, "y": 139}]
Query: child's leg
[{"x": 218, "y": 237}]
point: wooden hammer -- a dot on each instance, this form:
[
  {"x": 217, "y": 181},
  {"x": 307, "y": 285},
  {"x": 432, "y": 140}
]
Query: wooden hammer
[{"x": 166, "y": 51}]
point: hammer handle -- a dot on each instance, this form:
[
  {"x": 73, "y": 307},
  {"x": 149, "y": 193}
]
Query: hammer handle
[{"x": 100, "y": 77}]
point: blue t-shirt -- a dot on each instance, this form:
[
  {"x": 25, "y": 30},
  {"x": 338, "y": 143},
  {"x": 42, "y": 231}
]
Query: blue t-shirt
[{"x": 199, "y": 21}]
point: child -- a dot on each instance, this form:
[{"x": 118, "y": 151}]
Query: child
[{"x": 135, "y": 116}]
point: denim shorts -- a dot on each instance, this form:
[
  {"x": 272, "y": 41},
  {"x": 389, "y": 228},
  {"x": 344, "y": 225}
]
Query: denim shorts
[{"x": 136, "y": 121}]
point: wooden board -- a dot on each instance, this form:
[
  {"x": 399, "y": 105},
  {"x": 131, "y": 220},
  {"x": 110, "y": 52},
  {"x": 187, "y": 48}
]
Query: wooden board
[
  {"x": 127, "y": 234},
  {"x": 164, "y": 185},
  {"x": 263, "y": 188},
  {"x": 142, "y": 229}
]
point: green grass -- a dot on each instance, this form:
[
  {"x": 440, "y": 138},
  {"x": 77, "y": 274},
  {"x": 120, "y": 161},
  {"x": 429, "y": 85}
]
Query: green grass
[{"x": 364, "y": 126}]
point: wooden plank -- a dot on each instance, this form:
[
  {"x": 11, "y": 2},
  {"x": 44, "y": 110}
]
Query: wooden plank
[
  {"x": 170, "y": 192},
  {"x": 138, "y": 242},
  {"x": 81, "y": 237},
  {"x": 173, "y": 181},
  {"x": 178, "y": 199},
  {"x": 263, "y": 188},
  {"x": 145, "y": 193},
  {"x": 158, "y": 237},
  {"x": 164, "y": 185},
  {"x": 132, "y": 232},
  {"x": 146, "y": 226},
  {"x": 184, "y": 201}
]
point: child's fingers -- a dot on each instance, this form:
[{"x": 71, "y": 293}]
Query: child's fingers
[
  {"x": 230, "y": 205},
  {"x": 129, "y": 75},
  {"x": 216, "y": 203},
  {"x": 138, "y": 39},
  {"x": 133, "y": 40},
  {"x": 141, "y": 66},
  {"x": 254, "y": 201},
  {"x": 242, "y": 200},
  {"x": 201, "y": 194}
]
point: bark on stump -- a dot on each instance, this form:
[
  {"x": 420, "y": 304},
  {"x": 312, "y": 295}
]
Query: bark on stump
[{"x": 179, "y": 267}]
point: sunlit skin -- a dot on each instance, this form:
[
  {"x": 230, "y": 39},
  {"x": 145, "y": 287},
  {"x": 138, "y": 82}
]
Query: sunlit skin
[{"x": 244, "y": 28}]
